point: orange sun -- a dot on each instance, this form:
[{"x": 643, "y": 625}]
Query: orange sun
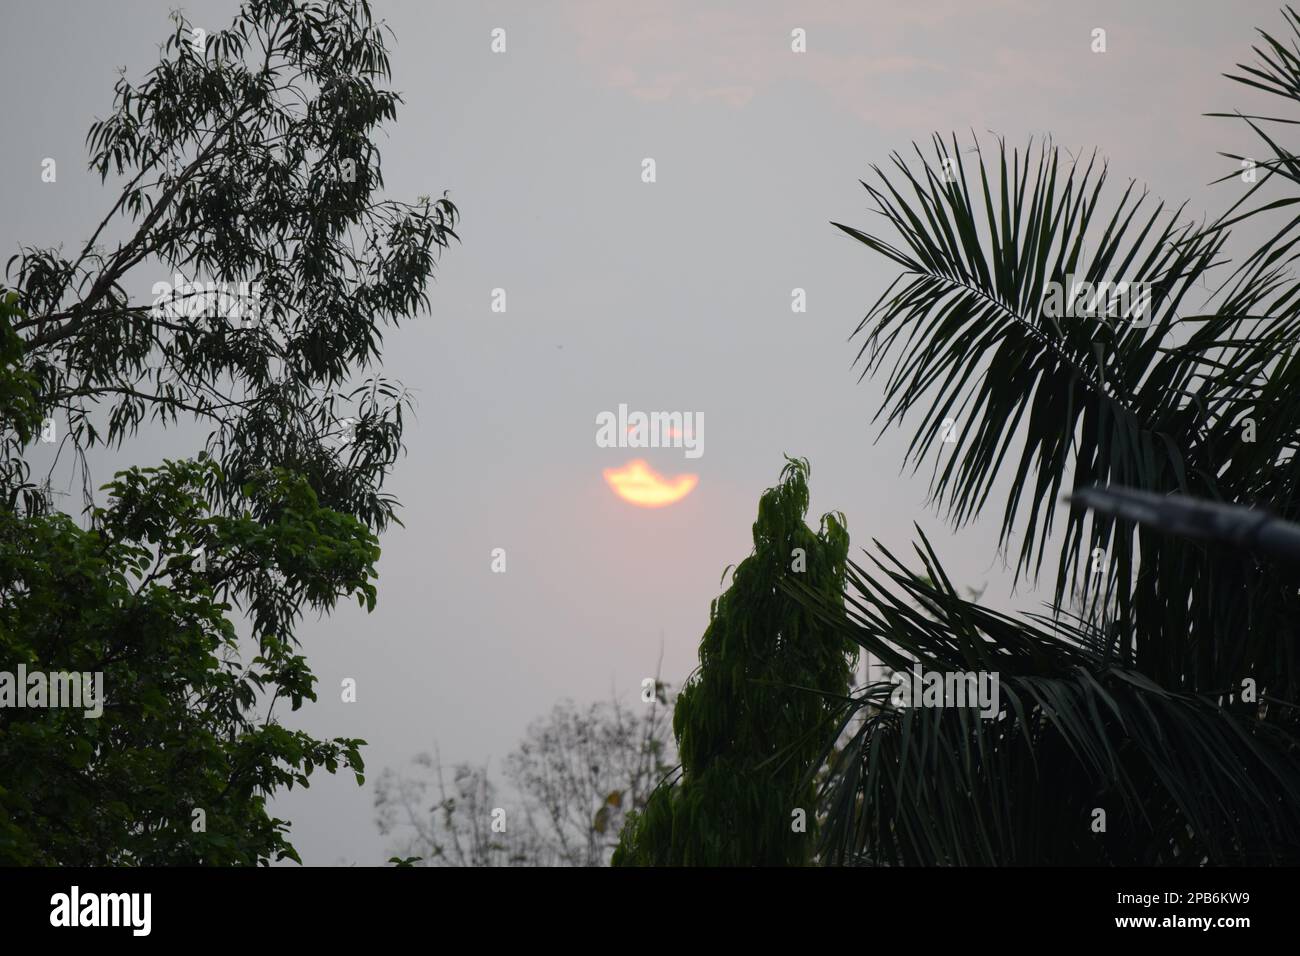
[{"x": 639, "y": 484}]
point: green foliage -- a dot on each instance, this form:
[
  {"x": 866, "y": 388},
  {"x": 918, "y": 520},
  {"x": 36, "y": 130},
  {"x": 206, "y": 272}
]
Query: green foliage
[
  {"x": 252, "y": 160},
  {"x": 19, "y": 405},
  {"x": 1134, "y": 704},
  {"x": 751, "y": 722},
  {"x": 1184, "y": 777},
  {"x": 20, "y": 409},
  {"x": 248, "y": 159},
  {"x": 178, "y": 731}
]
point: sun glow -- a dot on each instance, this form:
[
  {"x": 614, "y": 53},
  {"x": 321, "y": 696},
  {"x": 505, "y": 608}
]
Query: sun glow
[{"x": 637, "y": 483}]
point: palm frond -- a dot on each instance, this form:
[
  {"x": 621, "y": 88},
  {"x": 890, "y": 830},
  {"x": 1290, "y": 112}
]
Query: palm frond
[
  {"x": 1202, "y": 399},
  {"x": 1182, "y": 778}
]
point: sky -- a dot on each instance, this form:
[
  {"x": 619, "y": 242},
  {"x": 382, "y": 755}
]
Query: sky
[{"x": 668, "y": 295}]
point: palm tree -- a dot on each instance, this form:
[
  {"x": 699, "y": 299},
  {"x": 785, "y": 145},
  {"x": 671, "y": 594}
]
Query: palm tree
[{"x": 1131, "y": 729}]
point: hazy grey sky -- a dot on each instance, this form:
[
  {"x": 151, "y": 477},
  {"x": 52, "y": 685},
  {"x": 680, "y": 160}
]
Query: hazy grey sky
[{"x": 673, "y": 295}]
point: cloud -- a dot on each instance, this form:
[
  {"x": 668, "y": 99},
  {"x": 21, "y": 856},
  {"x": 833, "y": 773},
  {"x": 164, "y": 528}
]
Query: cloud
[{"x": 677, "y": 49}]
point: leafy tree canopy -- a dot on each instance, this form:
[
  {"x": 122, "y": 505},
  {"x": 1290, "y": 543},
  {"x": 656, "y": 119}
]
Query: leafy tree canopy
[
  {"x": 752, "y": 722},
  {"x": 248, "y": 204}
]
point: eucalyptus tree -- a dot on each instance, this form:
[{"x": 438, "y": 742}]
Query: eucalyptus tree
[
  {"x": 244, "y": 163},
  {"x": 1045, "y": 334},
  {"x": 242, "y": 276}
]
